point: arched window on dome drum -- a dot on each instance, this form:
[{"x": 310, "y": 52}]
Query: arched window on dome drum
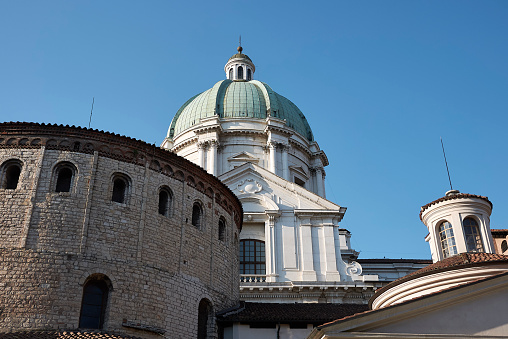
[
  {"x": 120, "y": 189},
  {"x": 249, "y": 74},
  {"x": 240, "y": 72},
  {"x": 448, "y": 246},
  {"x": 11, "y": 171},
  {"x": 65, "y": 173},
  {"x": 472, "y": 235},
  {"x": 252, "y": 257},
  {"x": 197, "y": 215},
  {"x": 222, "y": 229},
  {"x": 230, "y": 74},
  {"x": 93, "y": 305},
  {"x": 165, "y": 200}
]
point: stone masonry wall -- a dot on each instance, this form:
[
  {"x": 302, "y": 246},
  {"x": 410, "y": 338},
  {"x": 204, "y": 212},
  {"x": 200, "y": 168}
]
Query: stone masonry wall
[{"x": 160, "y": 267}]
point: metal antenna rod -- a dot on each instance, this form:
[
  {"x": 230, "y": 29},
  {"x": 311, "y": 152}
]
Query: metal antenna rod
[
  {"x": 446, "y": 163},
  {"x": 89, "y": 122}
]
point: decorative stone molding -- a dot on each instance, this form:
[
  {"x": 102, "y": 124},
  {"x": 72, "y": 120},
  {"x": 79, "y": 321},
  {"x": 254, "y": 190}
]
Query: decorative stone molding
[{"x": 249, "y": 186}]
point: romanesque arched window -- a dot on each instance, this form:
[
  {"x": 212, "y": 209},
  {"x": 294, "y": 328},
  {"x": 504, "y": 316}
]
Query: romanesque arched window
[
  {"x": 240, "y": 72},
  {"x": 249, "y": 74},
  {"x": 231, "y": 74},
  {"x": 165, "y": 200},
  {"x": 64, "y": 173},
  {"x": 252, "y": 257},
  {"x": 94, "y": 302},
  {"x": 204, "y": 318},
  {"x": 120, "y": 188},
  {"x": 197, "y": 215},
  {"x": 222, "y": 229},
  {"x": 472, "y": 235},
  {"x": 11, "y": 170},
  {"x": 448, "y": 246}
]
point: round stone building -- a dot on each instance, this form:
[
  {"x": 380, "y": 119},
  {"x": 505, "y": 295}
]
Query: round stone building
[{"x": 102, "y": 231}]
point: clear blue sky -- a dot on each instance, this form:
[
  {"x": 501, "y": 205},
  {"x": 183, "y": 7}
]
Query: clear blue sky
[{"x": 379, "y": 82}]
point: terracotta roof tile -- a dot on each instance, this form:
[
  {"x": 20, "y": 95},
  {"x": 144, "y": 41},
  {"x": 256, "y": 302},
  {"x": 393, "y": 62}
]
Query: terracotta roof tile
[
  {"x": 457, "y": 261},
  {"x": 314, "y": 313},
  {"x": 62, "y": 334},
  {"x": 453, "y": 197}
]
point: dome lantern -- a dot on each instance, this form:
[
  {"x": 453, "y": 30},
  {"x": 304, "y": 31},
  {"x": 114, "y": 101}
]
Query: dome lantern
[{"x": 239, "y": 67}]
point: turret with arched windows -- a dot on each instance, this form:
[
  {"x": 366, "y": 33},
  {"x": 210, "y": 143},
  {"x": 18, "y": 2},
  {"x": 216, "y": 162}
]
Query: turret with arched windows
[{"x": 458, "y": 223}]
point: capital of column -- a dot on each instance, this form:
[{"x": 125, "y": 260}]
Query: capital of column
[
  {"x": 272, "y": 145},
  {"x": 202, "y": 145},
  {"x": 284, "y": 147},
  {"x": 214, "y": 143}
]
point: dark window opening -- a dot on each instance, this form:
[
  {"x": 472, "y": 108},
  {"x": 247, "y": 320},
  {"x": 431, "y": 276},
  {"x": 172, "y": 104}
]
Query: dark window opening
[
  {"x": 11, "y": 176},
  {"x": 164, "y": 202},
  {"x": 222, "y": 229},
  {"x": 249, "y": 74},
  {"x": 203, "y": 318},
  {"x": 504, "y": 246},
  {"x": 196, "y": 215},
  {"x": 252, "y": 257},
  {"x": 93, "y": 306},
  {"x": 240, "y": 72},
  {"x": 119, "y": 190},
  {"x": 472, "y": 234},
  {"x": 299, "y": 182},
  {"x": 230, "y": 74},
  {"x": 64, "y": 180}
]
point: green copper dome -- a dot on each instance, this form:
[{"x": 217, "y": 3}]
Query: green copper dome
[{"x": 239, "y": 99}]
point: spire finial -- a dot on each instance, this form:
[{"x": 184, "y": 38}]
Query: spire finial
[{"x": 240, "y": 49}]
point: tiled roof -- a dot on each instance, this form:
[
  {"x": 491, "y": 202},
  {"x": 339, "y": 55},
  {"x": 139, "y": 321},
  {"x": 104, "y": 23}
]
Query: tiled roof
[
  {"x": 452, "y": 197},
  {"x": 248, "y": 312},
  {"x": 499, "y": 232},
  {"x": 383, "y": 309},
  {"x": 457, "y": 261},
  {"x": 61, "y": 334}
]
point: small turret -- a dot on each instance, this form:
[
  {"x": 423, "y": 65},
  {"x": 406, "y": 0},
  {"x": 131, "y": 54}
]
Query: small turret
[
  {"x": 458, "y": 223},
  {"x": 239, "y": 67}
]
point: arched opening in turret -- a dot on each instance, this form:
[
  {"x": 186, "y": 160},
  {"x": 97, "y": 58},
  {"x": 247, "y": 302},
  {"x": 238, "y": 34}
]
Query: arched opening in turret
[
  {"x": 472, "y": 234},
  {"x": 230, "y": 74},
  {"x": 249, "y": 74},
  {"x": 240, "y": 72}
]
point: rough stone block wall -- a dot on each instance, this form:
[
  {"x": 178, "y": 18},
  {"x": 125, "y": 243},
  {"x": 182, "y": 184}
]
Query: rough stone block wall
[{"x": 160, "y": 267}]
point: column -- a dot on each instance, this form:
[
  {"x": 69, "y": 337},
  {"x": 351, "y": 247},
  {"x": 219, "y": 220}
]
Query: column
[
  {"x": 285, "y": 165},
  {"x": 212, "y": 157},
  {"x": 201, "y": 153},
  {"x": 319, "y": 181},
  {"x": 270, "y": 248},
  {"x": 306, "y": 259},
  {"x": 272, "y": 148}
]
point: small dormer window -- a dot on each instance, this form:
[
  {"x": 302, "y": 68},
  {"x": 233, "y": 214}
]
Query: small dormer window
[
  {"x": 249, "y": 74},
  {"x": 240, "y": 72}
]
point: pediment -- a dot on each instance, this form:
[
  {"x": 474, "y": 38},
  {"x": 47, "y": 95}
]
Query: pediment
[
  {"x": 299, "y": 170},
  {"x": 243, "y": 156},
  {"x": 252, "y": 180}
]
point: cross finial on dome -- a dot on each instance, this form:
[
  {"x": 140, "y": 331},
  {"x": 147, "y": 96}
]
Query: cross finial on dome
[{"x": 240, "y": 49}]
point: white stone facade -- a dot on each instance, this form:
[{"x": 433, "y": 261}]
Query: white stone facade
[{"x": 278, "y": 175}]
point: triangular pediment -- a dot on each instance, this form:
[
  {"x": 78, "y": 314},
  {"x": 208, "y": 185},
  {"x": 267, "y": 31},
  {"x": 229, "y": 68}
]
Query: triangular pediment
[
  {"x": 299, "y": 170},
  {"x": 243, "y": 156},
  {"x": 251, "y": 180}
]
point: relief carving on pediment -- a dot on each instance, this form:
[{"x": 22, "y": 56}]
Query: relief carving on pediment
[{"x": 249, "y": 186}]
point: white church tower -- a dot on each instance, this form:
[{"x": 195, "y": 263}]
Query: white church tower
[{"x": 261, "y": 146}]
